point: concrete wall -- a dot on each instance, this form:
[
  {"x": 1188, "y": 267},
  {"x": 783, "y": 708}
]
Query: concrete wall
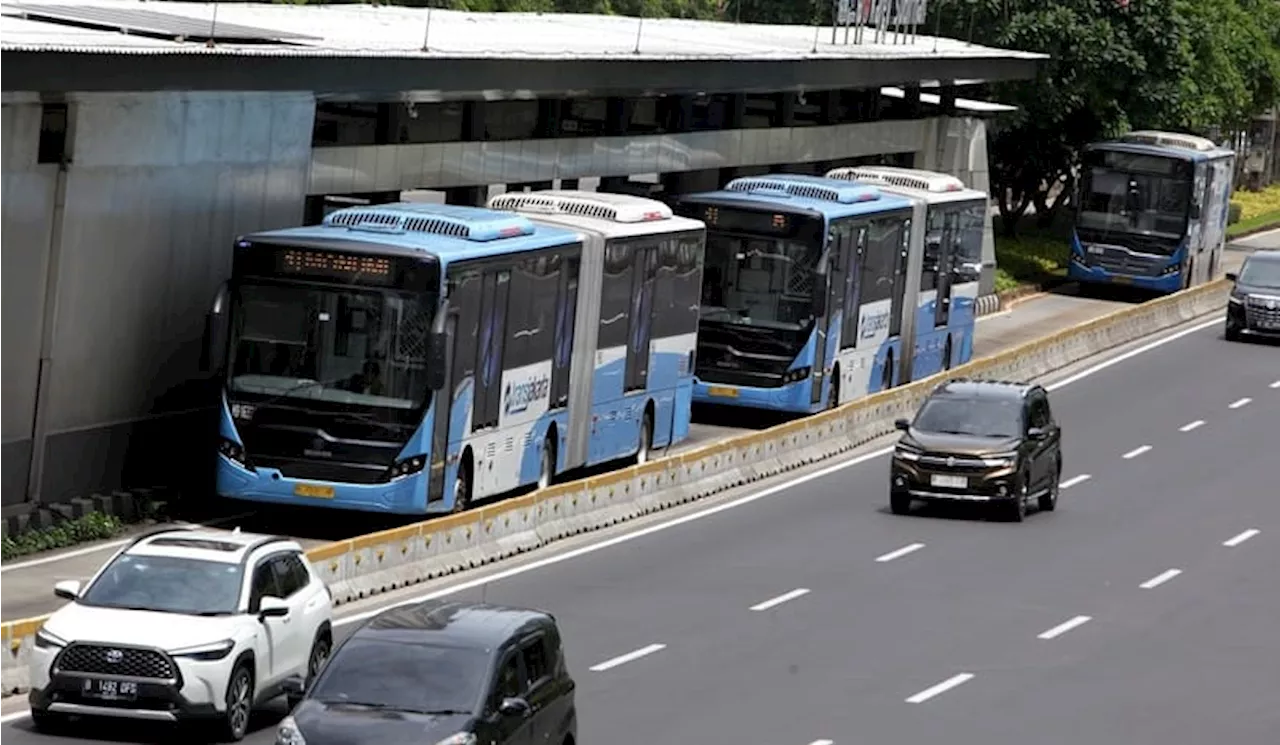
[
  {"x": 27, "y": 207},
  {"x": 373, "y": 168},
  {"x": 158, "y": 186}
]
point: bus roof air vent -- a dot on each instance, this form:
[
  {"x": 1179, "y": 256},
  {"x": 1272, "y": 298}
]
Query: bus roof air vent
[
  {"x": 1169, "y": 139},
  {"x": 904, "y": 178},
  {"x": 809, "y": 187},
  {"x": 468, "y": 223},
  {"x": 602, "y": 206}
]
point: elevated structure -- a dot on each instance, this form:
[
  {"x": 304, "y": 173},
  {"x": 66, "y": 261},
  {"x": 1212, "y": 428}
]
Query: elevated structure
[{"x": 141, "y": 138}]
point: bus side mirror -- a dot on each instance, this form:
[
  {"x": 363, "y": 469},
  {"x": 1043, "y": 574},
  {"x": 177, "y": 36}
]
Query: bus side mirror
[
  {"x": 1195, "y": 212},
  {"x": 437, "y": 359},
  {"x": 213, "y": 352},
  {"x": 820, "y": 291}
]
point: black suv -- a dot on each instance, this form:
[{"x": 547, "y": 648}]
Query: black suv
[
  {"x": 442, "y": 673},
  {"x": 979, "y": 441},
  {"x": 1254, "y": 305}
]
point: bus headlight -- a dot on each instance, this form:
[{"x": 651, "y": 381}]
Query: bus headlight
[
  {"x": 406, "y": 467},
  {"x": 796, "y": 375},
  {"x": 233, "y": 452}
]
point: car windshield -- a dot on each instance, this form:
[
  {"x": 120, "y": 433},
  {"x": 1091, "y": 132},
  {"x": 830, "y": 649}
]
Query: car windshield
[
  {"x": 1261, "y": 273},
  {"x": 758, "y": 281},
  {"x": 342, "y": 345},
  {"x": 404, "y": 676},
  {"x": 167, "y": 584},
  {"x": 979, "y": 417}
]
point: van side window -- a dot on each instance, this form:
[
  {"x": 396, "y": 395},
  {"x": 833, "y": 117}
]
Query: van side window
[
  {"x": 509, "y": 683},
  {"x": 536, "y": 665}
]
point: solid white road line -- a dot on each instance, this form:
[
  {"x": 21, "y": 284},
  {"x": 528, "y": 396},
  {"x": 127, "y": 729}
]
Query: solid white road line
[
  {"x": 1241, "y": 402},
  {"x": 1074, "y": 480},
  {"x": 15, "y": 715},
  {"x": 1136, "y": 452},
  {"x": 1160, "y": 579},
  {"x": 900, "y": 552},
  {"x": 517, "y": 570},
  {"x": 1197, "y": 424},
  {"x": 766, "y": 605},
  {"x": 1275, "y": 384},
  {"x": 1063, "y": 628},
  {"x": 628, "y": 657},
  {"x": 823, "y": 742},
  {"x": 1232, "y": 543},
  {"x": 942, "y": 687}
]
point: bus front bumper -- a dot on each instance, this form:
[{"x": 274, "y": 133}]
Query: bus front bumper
[
  {"x": 404, "y": 496},
  {"x": 793, "y": 397},
  {"x": 1082, "y": 273}
]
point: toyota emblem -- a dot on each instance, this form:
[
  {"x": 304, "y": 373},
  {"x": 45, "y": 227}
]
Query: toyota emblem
[
  {"x": 951, "y": 461},
  {"x": 1273, "y": 304},
  {"x": 115, "y": 656}
]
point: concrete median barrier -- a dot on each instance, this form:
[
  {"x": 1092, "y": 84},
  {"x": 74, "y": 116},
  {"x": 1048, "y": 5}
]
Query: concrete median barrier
[{"x": 392, "y": 559}]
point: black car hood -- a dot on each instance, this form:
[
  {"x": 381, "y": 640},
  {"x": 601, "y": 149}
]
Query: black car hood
[
  {"x": 337, "y": 724},
  {"x": 935, "y": 442},
  {"x": 1244, "y": 288}
]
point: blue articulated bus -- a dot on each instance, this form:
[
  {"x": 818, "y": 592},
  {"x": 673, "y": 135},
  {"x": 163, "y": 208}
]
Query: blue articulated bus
[
  {"x": 946, "y": 292},
  {"x": 808, "y": 292},
  {"x": 411, "y": 358},
  {"x": 1152, "y": 211}
]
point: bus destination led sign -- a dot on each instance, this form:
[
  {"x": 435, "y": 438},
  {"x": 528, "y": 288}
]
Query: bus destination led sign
[{"x": 330, "y": 265}]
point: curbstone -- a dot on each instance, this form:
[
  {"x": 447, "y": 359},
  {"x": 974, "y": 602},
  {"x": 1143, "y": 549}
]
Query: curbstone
[{"x": 380, "y": 562}]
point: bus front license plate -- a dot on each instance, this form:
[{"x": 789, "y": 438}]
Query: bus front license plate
[
  {"x": 1124, "y": 280},
  {"x": 723, "y": 392},
  {"x": 949, "y": 482},
  {"x": 313, "y": 490}
]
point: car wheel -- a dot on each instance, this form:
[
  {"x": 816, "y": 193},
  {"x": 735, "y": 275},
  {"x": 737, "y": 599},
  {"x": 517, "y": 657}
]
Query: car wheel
[
  {"x": 1049, "y": 502},
  {"x": 1017, "y": 507},
  {"x": 1231, "y": 332},
  {"x": 315, "y": 661},
  {"x": 899, "y": 503},
  {"x": 239, "y": 703},
  {"x": 46, "y": 722}
]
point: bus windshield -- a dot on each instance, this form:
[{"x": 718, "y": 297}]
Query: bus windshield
[
  {"x": 758, "y": 281},
  {"x": 345, "y": 345},
  {"x": 1132, "y": 198}
]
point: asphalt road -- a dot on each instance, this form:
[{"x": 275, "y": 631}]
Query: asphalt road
[{"x": 924, "y": 629}]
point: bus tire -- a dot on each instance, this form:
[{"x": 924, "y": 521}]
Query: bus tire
[
  {"x": 946, "y": 355},
  {"x": 547, "y": 472},
  {"x": 886, "y": 376},
  {"x": 645, "y": 445},
  {"x": 834, "y": 388},
  {"x": 462, "y": 485}
]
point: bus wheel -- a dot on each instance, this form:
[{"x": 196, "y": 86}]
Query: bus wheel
[
  {"x": 462, "y": 487},
  {"x": 946, "y": 355},
  {"x": 547, "y": 474},
  {"x": 646, "y": 439},
  {"x": 886, "y": 377},
  {"x": 835, "y": 388}
]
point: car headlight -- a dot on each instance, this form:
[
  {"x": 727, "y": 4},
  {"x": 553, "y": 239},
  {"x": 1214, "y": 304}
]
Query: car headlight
[
  {"x": 1000, "y": 459},
  {"x": 288, "y": 733},
  {"x": 462, "y": 738},
  {"x": 906, "y": 454},
  {"x": 1235, "y": 299},
  {"x": 48, "y": 640},
  {"x": 205, "y": 652}
]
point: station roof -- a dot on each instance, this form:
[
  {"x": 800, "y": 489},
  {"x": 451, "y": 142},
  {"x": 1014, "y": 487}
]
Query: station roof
[{"x": 365, "y": 51}]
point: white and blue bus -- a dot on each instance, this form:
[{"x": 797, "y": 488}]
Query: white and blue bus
[
  {"x": 954, "y": 223},
  {"x": 1152, "y": 211},
  {"x": 411, "y": 358},
  {"x": 809, "y": 292}
]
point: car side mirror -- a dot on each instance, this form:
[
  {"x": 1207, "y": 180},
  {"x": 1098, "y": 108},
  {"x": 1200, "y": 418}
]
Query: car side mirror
[
  {"x": 514, "y": 706},
  {"x": 902, "y": 424},
  {"x": 272, "y": 607},
  {"x": 1232, "y": 276},
  {"x": 67, "y": 589}
]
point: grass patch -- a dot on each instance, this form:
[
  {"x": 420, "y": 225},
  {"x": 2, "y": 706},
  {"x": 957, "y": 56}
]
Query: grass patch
[
  {"x": 1034, "y": 255},
  {"x": 1257, "y": 222},
  {"x": 94, "y": 526},
  {"x": 1255, "y": 204}
]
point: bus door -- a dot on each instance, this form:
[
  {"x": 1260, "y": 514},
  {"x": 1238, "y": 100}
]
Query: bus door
[
  {"x": 832, "y": 283},
  {"x": 946, "y": 255},
  {"x": 1195, "y": 223},
  {"x": 645, "y": 260},
  {"x": 444, "y": 409},
  {"x": 493, "y": 331}
]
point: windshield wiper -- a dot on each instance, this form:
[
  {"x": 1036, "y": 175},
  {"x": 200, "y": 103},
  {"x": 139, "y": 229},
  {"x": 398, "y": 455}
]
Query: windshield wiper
[{"x": 301, "y": 386}]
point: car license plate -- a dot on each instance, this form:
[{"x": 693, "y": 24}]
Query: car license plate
[
  {"x": 949, "y": 482},
  {"x": 1122, "y": 280},
  {"x": 317, "y": 491},
  {"x": 722, "y": 391},
  {"x": 110, "y": 690}
]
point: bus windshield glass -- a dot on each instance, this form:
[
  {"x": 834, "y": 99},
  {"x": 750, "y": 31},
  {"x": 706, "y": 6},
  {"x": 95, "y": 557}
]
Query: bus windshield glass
[
  {"x": 763, "y": 282},
  {"x": 343, "y": 345},
  {"x": 1125, "y": 193}
]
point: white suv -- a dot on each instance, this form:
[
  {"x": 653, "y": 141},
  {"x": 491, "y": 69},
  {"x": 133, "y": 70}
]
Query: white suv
[{"x": 184, "y": 624}]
